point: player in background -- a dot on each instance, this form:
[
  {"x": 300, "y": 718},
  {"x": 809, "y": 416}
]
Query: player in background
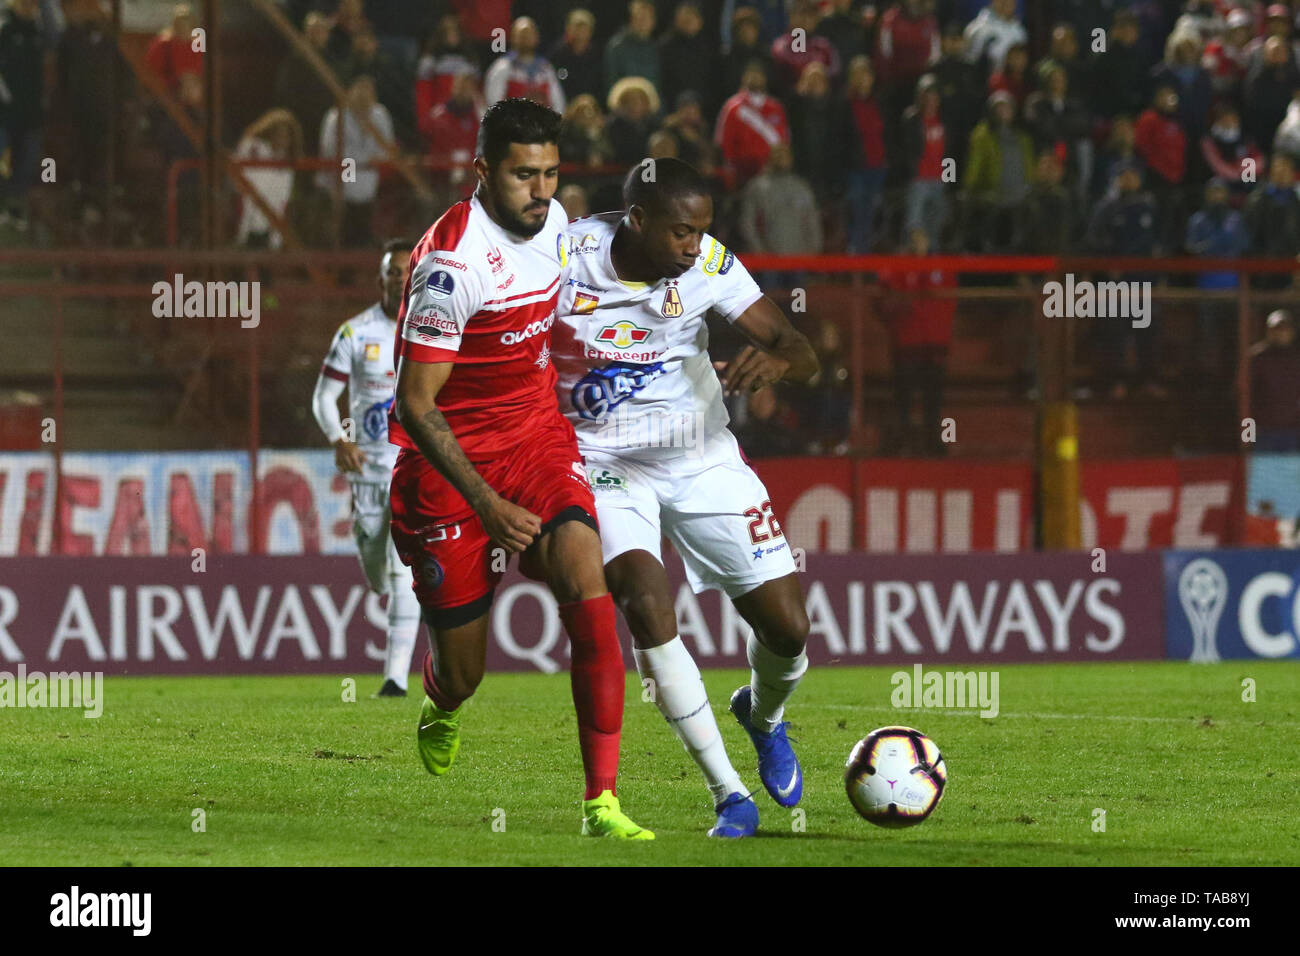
[
  {"x": 488, "y": 465},
  {"x": 635, "y": 379},
  {"x": 360, "y": 359}
]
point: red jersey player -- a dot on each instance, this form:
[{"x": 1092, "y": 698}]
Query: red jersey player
[{"x": 488, "y": 464}]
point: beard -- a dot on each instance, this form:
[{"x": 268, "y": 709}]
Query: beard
[{"x": 520, "y": 226}]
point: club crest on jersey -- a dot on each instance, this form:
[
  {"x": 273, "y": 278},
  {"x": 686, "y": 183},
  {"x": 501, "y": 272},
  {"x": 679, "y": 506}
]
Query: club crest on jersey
[
  {"x": 440, "y": 284},
  {"x": 624, "y": 335},
  {"x": 672, "y": 307},
  {"x": 584, "y": 304},
  {"x": 496, "y": 260}
]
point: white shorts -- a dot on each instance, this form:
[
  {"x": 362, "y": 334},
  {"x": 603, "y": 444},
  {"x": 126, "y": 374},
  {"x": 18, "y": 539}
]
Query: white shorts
[
  {"x": 711, "y": 507},
  {"x": 371, "y": 515}
]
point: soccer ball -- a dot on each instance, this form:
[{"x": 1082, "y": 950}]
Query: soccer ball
[{"x": 895, "y": 777}]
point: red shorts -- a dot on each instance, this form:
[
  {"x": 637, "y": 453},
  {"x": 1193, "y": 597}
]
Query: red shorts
[{"x": 440, "y": 537}]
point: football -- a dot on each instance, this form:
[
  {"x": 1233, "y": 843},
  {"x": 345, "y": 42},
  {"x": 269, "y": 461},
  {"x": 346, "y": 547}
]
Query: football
[{"x": 895, "y": 777}]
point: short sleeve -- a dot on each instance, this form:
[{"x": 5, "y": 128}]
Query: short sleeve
[
  {"x": 444, "y": 293},
  {"x": 338, "y": 360},
  {"x": 733, "y": 288}
]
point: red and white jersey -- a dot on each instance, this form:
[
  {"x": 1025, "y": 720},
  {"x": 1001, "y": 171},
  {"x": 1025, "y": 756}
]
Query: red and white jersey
[{"x": 484, "y": 299}]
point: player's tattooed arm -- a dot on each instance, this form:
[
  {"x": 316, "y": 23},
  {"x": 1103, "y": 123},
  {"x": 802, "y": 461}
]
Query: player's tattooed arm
[
  {"x": 418, "y": 384},
  {"x": 778, "y": 352}
]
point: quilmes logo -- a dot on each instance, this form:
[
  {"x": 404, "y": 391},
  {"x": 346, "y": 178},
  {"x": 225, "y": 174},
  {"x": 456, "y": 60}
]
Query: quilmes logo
[
  {"x": 75, "y": 908},
  {"x": 623, "y": 335},
  {"x": 1100, "y": 300},
  {"x": 603, "y": 389}
]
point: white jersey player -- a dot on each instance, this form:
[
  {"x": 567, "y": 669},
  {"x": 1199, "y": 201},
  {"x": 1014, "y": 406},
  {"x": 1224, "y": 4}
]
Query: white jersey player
[
  {"x": 360, "y": 359},
  {"x": 630, "y": 347}
]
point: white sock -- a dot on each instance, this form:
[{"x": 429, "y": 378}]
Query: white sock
[
  {"x": 403, "y": 626},
  {"x": 680, "y": 696},
  {"x": 772, "y": 682}
]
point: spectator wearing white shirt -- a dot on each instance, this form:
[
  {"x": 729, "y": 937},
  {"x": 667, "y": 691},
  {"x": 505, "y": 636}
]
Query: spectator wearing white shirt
[
  {"x": 993, "y": 32},
  {"x": 359, "y": 148},
  {"x": 522, "y": 73},
  {"x": 275, "y": 135}
]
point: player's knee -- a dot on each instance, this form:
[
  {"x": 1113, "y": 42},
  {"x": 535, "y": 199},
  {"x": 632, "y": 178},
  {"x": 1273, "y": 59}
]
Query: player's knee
[
  {"x": 459, "y": 684},
  {"x": 648, "y": 612},
  {"x": 787, "y": 634}
]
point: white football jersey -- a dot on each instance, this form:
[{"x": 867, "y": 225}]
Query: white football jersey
[
  {"x": 362, "y": 356},
  {"x": 634, "y": 373}
]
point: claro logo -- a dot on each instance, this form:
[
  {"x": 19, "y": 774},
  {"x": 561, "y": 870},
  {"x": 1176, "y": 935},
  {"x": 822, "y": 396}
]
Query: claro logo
[{"x": 528, "y": 331}]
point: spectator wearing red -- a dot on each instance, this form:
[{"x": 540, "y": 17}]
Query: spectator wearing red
[
  {"x": 171, "y": 53},
  {"x": 924, "y": 150},
  {"x": 453, "y": 133},
  {"x": 907, "y": 43},
  {"x": 863, "y": 133},
  {"x": 1224, "y": 58},
  {"x": 478, "y": 18},
  {"x": 1275, "y": 386},
  {"x": 749, "y": 125},
  {"x": 1161, "y": 143},
  {"x": 522, "y": 73},
  {"x": 1227, "y": 152},
  {"x": 920, "y": 331},
  {"x": 447, "y": 55},
  {"x": 790, "y": 57},
  {"x": 1013, "y": 77}
]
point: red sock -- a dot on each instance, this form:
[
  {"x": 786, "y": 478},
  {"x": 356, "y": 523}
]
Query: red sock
[
  {"x": 440, "y": 700},
  {"x": 597, "y": 677}
]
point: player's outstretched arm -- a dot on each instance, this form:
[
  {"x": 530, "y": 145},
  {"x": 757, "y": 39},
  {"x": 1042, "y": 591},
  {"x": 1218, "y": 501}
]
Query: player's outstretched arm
[
  {"x": 415, "y": 405},
  {"x": 778, "y": 351}
]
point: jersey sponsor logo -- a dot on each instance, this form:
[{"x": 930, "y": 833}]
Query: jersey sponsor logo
[
  {"x": 510, "y": 279},
  {"x": 375, "y": 421},
  {"x": 584, "y": 304},
  {"x": 561, "y": 250},
  {"x": 434, "y": 323},
  {"x": 528, "y": 331},
  {"x": 727, "y": 260},
  {"x": 372, "y": 351},
  {"x": 714, "y": 261},
  {"x": 602, "y": 479},
  {"x": 604, "y": 389},
  {"x": 622, "y": 335},
  {"x": 672, "y": 307},
  {"x": 450, "y": 263},
  {"x": 578, "y": 283},
  {"x": 579, "y": 245},
  {"x": 440, "y": 284}
]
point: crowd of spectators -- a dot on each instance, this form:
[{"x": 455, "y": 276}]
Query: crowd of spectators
[{"x": 1124, "y": 127}]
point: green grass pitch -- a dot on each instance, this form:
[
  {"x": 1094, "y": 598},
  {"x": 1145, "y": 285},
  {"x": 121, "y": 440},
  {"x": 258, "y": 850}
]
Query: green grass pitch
[{"x": 288, "y": 773}]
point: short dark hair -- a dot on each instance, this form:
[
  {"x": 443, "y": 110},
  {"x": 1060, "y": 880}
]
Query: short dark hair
[
  {"x": 396, "y": 245},
  {"x": 671, "y": 179},
  {"x": 515, "y": 120}
]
